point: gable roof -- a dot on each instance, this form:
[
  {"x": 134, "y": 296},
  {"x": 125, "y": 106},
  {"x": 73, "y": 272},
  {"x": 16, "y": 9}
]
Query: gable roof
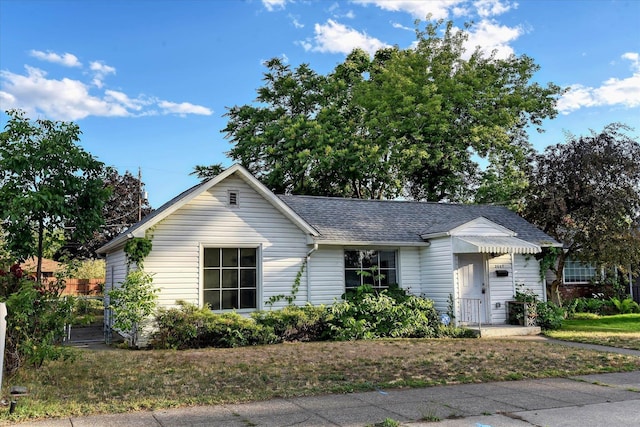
[{"x": 389, "y": 221}]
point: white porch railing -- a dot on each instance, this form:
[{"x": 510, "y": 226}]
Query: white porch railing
[{"x": 470, "y": 311}]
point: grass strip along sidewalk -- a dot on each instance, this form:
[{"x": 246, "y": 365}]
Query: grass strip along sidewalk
[
  {"x": 112, "y": 381},
  {"x": 622, "y": 330}
]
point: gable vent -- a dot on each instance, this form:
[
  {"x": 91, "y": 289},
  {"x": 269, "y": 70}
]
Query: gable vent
[{"x": 233, "y": 198}]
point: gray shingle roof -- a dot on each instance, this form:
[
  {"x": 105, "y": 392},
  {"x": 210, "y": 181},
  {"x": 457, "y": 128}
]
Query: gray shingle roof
[{"x": 360, "y": 220}]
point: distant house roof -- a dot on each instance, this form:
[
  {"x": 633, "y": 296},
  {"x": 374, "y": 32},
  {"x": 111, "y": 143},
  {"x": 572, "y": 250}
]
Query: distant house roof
[
  {"x": 359, "y": 220},
  {"x": 49, "y": 266}
]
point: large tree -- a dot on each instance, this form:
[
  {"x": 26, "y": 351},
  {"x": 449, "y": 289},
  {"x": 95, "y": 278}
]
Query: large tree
[
  {"x": 586, "y": 194},
  {"x": 47, "y": 183},
  {"x": 407, "y": 122},
  {"x": 125, "y": 206}
]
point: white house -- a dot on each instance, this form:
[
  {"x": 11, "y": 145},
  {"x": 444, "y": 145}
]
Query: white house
[{"x": 231, "y": 243}]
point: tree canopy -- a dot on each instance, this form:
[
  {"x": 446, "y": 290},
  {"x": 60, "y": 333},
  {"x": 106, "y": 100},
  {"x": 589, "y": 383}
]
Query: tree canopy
[
  {"x": 407, "y": 122},
  {"x": 124, "y": 207},
  {"x": 47, "y": 183},
  {"x": 586, "y": 194}
]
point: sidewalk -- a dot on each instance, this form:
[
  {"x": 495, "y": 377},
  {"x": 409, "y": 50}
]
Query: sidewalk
[{"x": 590, "y": 400}]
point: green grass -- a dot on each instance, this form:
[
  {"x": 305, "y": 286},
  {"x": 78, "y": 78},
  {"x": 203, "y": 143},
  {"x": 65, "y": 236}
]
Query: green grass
[
  {"x": 621, "y": 330},
  {"x": 119, "y": 380}
]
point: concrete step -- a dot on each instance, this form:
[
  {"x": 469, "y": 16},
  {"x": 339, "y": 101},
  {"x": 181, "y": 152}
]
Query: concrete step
[{"x": 494, "y": 331}]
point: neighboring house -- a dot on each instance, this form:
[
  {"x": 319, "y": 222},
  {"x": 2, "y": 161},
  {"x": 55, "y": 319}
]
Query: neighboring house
[
  {"x": 231, "y": 243},
  {"x": 578, "y": 279},
  {"x": 49, "y": 267}
]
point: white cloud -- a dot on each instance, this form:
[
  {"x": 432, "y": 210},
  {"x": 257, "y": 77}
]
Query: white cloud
[
  {"x": 100, "y": 70},
  {"x": 491, "y": 36},
  {"x": 66, "y": 59},
  {"x": 334, "y": 37},
  {"x": 489, "y": 8},
  {"x": 272, "y": 5},
  {"x": 439, "y": 9},
  {"x": 399, "y": 26},
  {"x": 183, "y": 108},
  {"x": 63, "y": 99},
  {"x": 69, "y": 99},
  {"x": 623, "y": 92},
  {"x": 634, "y": 57},
  {"x": 295, "y": 22},
  {"x": 124, "y": 100}
]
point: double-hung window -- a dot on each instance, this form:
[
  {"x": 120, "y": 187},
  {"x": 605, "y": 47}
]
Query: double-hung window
[
  {"x": 230, "y": 279},
  {"x": 370, "y": 267}
]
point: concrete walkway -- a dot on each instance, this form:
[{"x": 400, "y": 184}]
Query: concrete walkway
[{"x": 590, "y": 400}]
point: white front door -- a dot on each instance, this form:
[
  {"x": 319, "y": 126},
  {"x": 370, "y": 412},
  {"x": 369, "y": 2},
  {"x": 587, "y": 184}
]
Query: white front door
[{"x": 471, "y": 279}]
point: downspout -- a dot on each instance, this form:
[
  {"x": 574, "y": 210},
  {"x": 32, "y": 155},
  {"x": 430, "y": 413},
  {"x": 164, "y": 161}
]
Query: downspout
[{"x": 312, "y": 250}]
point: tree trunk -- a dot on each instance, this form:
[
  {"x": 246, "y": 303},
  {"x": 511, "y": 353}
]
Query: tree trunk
[
  {"x": 554, "y": 290},
  {"x": 40, "y": 249}
]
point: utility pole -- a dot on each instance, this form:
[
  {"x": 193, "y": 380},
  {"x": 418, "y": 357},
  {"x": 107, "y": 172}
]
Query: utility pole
[{"x": 139, "y": 194}]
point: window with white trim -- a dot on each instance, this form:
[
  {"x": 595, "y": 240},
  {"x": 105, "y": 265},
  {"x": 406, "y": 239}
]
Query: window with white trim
[
  {"x": 230, "y": 278},
  {"x": 370, "y": 267},
  {"x": 576, "y": 272}
]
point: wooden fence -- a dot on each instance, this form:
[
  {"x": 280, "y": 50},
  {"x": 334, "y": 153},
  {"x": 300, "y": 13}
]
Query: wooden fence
[{"x": 83, "y": 287}]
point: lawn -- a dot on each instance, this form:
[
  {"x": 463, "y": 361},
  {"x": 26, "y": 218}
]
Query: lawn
[
  {"x": 118, "y": 380},
  {"x": 622, "y": 330}
]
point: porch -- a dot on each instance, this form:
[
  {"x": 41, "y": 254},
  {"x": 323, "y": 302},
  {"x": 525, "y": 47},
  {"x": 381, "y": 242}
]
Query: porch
[{"x": 471, "y": 315}]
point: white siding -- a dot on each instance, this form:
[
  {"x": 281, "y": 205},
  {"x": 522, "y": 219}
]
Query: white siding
[
  {"x": 116, "y": 270},
  {"x": 480, "y": 227},
  {"x": 207, "y": 220},
  {"x": 326, "y": 273},
  {"x": 500, "y": 288},
  {"x": 437, "y": 272},
  {"x": 527, "y": 273},
  {"x": 409, "y": 272}
]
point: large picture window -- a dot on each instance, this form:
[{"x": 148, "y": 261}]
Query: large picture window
[
  {"x": 578, "y": 272},
  {"x": 230, "y": 278},
  {"x": 370, "y": 267}
]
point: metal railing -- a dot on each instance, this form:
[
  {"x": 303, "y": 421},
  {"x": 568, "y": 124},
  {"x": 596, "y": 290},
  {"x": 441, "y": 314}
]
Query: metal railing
[{"x": 470, "y": 311}]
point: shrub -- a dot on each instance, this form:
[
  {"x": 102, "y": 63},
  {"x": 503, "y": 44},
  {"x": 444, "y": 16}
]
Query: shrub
[
  {"x": 36, "y": 320},
  {"x": 550, "y": 316},
  {"x": 132, "y": 303},
  {"x": 625, "y": 306},
  {"x": 590, "y": 305},
  {"x": 293, "y": 323},
  {"x": 366, "y": 314},
  {"x": 188, "y": 326}
]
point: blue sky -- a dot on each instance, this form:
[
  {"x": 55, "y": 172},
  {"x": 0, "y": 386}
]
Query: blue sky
[{"x": 148, "y": 82}]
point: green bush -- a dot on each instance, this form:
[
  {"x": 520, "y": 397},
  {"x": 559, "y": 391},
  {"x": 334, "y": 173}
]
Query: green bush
[
  {"x": 550, "y": 316},
  {"x": 590, "y": 305},
  {"x": 36, "y": 318},
  {"x": 132, "y": 303},
  {"x": 293, "y": 323},
  {"x": 626, "y": 305},
  {"x": 366, "y": 314},
  {"x": 363, "y": 315},
  {"x": 188, "y": 326}
]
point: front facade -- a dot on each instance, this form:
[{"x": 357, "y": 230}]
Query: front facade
[{"x": 232, "y": 244}]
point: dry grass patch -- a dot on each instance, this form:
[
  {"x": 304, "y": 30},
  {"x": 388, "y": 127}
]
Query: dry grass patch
[{"x": 122, "y": 380}]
